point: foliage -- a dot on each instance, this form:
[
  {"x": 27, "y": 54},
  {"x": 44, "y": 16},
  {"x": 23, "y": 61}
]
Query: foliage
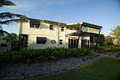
[
  {"x": 116, "y": 33},
  {"x": 108, "y": 40},
  {"x": 99, "y": 38},
  {"x": 118, "y": 55},
  {"x": 8, "y": 17},
  {"x": 3, "y": 33},
  {"x": 109, "y": 48},
  {"x": 27, "y": 56},
  {"x": 6, "y": 3},
  {"x": 12, "y": 37},
  {"x": 103, "y": 69}
]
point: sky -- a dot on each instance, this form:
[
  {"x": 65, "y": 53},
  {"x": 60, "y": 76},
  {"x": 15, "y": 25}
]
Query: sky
[{"x": 105, "y": 13}]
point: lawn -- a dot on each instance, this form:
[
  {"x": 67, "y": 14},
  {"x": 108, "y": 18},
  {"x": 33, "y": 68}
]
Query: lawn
[{"x": 103, "y": 69}]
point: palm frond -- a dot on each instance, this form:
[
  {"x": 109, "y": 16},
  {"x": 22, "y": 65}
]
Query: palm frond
[
  {"x": 6, "y": 3},
  {"x": 9, "y": 15},
  {"x": 7, "y": 22}
]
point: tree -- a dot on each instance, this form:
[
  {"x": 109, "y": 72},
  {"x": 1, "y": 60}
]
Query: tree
[
  {"x": 12, "y": 37},
  {"x": 6, "y": 3},
  {"x": 108, "y": 40},
  {"x": 8, "y": 17},
  {"x": 101, "y": 40},
  {"x": 116, "y": 33}
]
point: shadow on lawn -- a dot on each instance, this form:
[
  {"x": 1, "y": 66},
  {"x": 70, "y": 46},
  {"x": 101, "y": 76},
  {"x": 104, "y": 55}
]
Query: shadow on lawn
[{"x": 118, "y": 76}]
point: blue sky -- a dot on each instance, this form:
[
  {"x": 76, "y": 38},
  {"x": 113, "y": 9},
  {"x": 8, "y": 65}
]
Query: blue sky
[{"x": 101, "y": 12}]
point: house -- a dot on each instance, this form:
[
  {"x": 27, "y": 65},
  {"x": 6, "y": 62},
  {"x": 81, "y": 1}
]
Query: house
[{"x": 41, "y": 34}]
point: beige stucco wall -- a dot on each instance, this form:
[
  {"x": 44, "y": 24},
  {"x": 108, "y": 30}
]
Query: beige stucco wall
[{"x": 44, "y": 31}]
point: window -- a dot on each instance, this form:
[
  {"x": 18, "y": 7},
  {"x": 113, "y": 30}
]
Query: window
[
  {"x": 51, "y": 27},
  {"x": 62, "y": 28},
  {"x": 60, "y": 41},
  {"x": 71, "y": 28},
  {"x": 34, "y": 24},
  {"x": 67, "y": 27},
  {"x": 41, "y": 40}
]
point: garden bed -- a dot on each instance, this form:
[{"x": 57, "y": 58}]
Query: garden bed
[
  {"x": 40, "y": 55},
  {"x": 18, "y": 71}
]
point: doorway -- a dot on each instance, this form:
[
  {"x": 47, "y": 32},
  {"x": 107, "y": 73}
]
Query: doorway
[
  {"x": 72, "y": 43},
  {"x": 85, "y": 43},
  {"x": 24, "y": 41}
]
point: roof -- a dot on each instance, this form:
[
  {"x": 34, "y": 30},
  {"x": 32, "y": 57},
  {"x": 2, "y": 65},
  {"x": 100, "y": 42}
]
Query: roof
[
  {"x": 74, "y": 25},
  {"x": 50, "y": 22},
  {"x": 84, "y": 24}
]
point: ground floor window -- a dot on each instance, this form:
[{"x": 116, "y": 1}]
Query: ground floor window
[
  {"x": 72, "y": 43},
  {"x": 41, "y": 40}
]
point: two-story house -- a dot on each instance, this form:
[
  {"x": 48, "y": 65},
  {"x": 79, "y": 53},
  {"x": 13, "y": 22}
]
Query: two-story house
[{"x": 40, "y": 34}]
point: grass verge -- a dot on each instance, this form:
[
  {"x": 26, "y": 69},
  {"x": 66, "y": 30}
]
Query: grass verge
[{"x": 103, "y": 69}]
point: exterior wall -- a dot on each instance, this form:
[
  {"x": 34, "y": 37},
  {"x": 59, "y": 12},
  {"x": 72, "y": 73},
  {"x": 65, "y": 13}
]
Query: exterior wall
[
  {"x": 44, "y": 31},
  {"x": 33, "y": 45}
]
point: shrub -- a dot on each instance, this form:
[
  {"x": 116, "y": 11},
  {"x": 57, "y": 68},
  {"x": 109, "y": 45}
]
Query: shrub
[
  {"x": 118, "y": 56},
  {"x": 28, "y": 56},
  {"x": 109, "y": 48}
]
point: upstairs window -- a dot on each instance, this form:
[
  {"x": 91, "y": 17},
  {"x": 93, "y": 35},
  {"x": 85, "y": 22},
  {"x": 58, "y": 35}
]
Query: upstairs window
[
  {"x": 60, "y": 41},
  {"x": 34, "y": 24},
  {"x": 51, "y": 27},
  {"x": 62, "y": 28},
  {"x": 41, "y": 40}
]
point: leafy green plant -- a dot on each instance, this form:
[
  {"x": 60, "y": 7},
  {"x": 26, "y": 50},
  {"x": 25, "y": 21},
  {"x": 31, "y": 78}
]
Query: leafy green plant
[
  {"x": 109, "y": 48},
  {"x": 118, "y": 56},
  {"x": 29, "y": 55}
]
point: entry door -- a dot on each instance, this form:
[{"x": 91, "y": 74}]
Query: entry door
[
  {"x": 24, "y": 41},
  {"x": 72, "y": 43},
  {"x": 85, "y": 43}
]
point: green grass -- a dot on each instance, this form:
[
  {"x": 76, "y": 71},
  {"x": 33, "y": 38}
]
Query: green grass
[{"x": 104, "y": 69}]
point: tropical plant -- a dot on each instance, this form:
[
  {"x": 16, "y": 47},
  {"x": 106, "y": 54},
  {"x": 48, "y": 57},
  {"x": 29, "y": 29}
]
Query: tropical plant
[
  {"x": 8, "y": 17},
  {"x": 109, "y": 48},
  {"x": 118, "y": 56},
  {"x": 108, "y": 40},
  {"x": 27, "y": 56},
  {"x": 6, "y": 3},
  {"x": 116, "y": 34},
  {"x": 100, "y": 39},
  {"x": 12, "y": 37}
]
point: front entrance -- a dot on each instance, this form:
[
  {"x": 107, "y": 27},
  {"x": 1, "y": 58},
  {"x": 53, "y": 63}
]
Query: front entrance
[
  {"x": 85, "y": 43},
  {"x": 72, "y": 43},
  {"x": 24, "y": 41}
]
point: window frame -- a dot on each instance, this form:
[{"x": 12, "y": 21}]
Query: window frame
[
  {"x": 35, "y": 24},
  {"x": 50, "y": 27},
  {"x": 42, "y": 41},
  {"x": 60, "y": 41},
  {"x": 62, "y": 29}
]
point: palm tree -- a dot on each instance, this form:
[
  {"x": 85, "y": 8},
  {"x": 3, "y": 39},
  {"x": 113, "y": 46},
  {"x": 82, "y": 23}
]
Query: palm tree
[
  {"x": 8, "y": 17},
  {"x": 6, "y": 3}
]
